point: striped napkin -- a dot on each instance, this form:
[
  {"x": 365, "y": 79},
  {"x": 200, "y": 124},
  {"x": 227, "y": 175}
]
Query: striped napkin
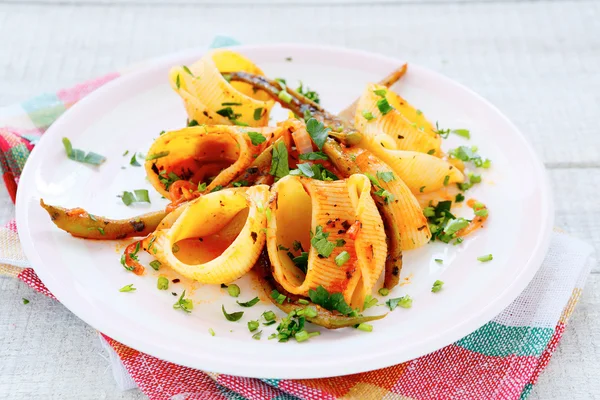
[{"x": 500, "y": 360}]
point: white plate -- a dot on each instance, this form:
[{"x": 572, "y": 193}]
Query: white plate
[{"x": 128, "y": 113}]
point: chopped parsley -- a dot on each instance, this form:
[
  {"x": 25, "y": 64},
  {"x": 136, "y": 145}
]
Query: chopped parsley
[
  {"x": 192, "y": 122},
  {"x": 386, "y": 176},
  {"x": 240, "y": 183},
  {"x": 317, "y": 131},
  {"x": 331, "y": 302},
  {"x": 249, "y": 303},
  {"x": 256, "y": 138},
  {"x": 233, "y": 316},
  {"x": 202, "y": 187},
  {"x": 469, "y": 154},
  {"x": 442, "y": 223},
  {"x": 183, "y": 304},
  {"x": 167, "y": 179},
  {"x": 258, "y": 113},
  {"x": 309, "y": 94},
  {"x": 300, "y": 261},
  {"x": 228, "y": 113},
  {"x": 370, "y": 301},
  {"x": 138, "y": 196},
  {"x": 444, "y": 133},
  {"x": 80, "y": 155},
  {"x": 404, "y": 302},
  {"x": 269, "y": 316},
  {"x": 257, "y": 335},
  {"x": 437, "y": 286},
  {"x": 186, "y": 69},
  {"x": 25, "y": 301},
  {"x": 314, "y": 171},
  {"x": 279, "y": 162},
  {"x": 320, "y": 243},
  {"x": 216, "y": 188},
  {"x": 133, "y": 161},
  {"x": 292, "y": 325},
  {"x": 459, "y": 198},
  {"x": 127, "y": 288},
  {"x": 315, "y": 155}
]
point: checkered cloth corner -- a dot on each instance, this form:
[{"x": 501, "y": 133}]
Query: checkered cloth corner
[{"x": 500, "y": 360}]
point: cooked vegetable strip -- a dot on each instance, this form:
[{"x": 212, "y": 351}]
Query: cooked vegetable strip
[
  {"x": 393, "y": 262},
  {"x": 215, "y": 238},
  {"x": 210, "y": 99},
  {"x": 324, "y": 318},
  {"x": 481, "y": 215},
  {"x": 80, "y": 223},
  {"x": 301, "y": 106},
  {"x": 328, "y": 209},
  {"x": 213, "y": 154}
]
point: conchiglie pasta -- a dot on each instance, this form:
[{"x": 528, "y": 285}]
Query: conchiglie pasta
[
  {"x": 421, "y": 172},
  {"x": 408, "y": 215},
  {"x": 330, "y": 210},
  {"x": 202, "y": 154},
  {"x": 406, "y": 127},
  {"x": 216, "y": 238},
  {"x": 210, "y": 99}
]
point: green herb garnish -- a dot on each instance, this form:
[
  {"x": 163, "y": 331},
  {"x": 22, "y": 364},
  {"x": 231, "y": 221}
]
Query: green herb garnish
[
  {"x": 253, "y": 325},
  {"x": 162, "y": 283},
  {"x": 365, "y": 327},
  {"x": 387, "y": 176},
  {"x": 155, "y": 264},
  {"x": 256, "y": 138},
  {"x": 320, "y": 243},
  {"x": 383, "y": 291},
  {"x": 127, "y": 288},
  {"x": 368, "y": 115},
  {"x": 342, "y": 258},
  {"x": 278, "y": 297},
  {"x": 249, "y": 303},
  {"x": 317, "y": 131},
  {"x": 233, "y": 290},
  {"x": 309, "y": 94},
  {"x": 485, "y": 258},
  {"x": 258, "y": 113},
  {"x": 233, "y": 316},
  {"x": 315, "y": 155},
  {"x": 138, "y": 196},
  {"x": 155, "y": 156},
  {"x": 186, "y": 305},
  {"x": 279, "y": 163},
  {"x": 80, "y": 155},
  {"x": 437, "y": 286},
  {"x": 331, "y": 302},
  {"x": 404, "y": 302}
]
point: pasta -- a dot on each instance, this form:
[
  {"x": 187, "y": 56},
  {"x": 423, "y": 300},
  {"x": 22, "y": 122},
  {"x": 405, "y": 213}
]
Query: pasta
[
  {"x": 323, "y": 207},
  {"x": 216, "y": 238},
  {"x": 328, "y": 210}
]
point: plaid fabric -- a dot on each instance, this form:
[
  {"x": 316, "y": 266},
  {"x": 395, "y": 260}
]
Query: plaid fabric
[{"x": 500, "y": 360}]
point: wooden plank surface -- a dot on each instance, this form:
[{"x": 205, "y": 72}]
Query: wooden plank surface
[{"x": 537, "y": 61}]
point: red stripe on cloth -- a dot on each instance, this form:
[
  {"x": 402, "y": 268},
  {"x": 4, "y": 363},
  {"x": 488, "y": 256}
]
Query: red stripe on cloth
[
  {"x": 160, "y": 380},
  {"x": 29, "y": 276},
  {"x": 11, "y": 185},
  {"x": 73, "y": 95},
  {"x": 548, "y": 352},
  {"x": 457, "y": 373}
]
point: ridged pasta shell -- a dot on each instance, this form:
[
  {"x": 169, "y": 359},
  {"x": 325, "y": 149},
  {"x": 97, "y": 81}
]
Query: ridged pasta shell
[
  {"x": 205, "y": 91},
  {"x": 421, "y": 172},
  {"x": 407, "y": 128},
  {"x": 217, "y": 237},
  {"x": 300, "y": 206},
  {"x": 199, "y": 152},
  {"x": 408, "y": 215}
]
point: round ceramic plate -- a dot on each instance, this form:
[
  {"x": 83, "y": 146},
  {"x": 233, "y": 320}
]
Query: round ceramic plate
[{"x": 128, "y": 113}]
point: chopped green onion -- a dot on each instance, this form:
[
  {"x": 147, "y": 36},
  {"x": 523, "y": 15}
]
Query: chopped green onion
[
  {"x": 211, "y": 331},
  {"x": 342, "y": 258},
  {"x": 178, "y": 82},
  {"x": 437, "y": 286},
  {"x": 285, "y": 96},
  {"x": 439, "y": 261},
  {"x": 485, "y": 258},
  {"x": 155, "y": 265},
  {"x": 127, "y": 288},
  {"x": 278, "y": 297},
  {"x": 269, "y": 316},
  {"x": 446, "y": 180},
  {"x": 202, "y": 187},
  {"x": 233, "y": 290},
  {"x": 253, "y": 325},
  {"x": 383, "y": 106},
  {"x": 482, "y": 213},
  {"x": 368, "y": 115},
  {"x": 384, "y": 291},
  {"x": 257, "y": 335},
  {"x": 404, "y": 302},
  {"x": 369, "y": 302},
  {"x": 380, "y": 92},
  {"x": 304, "y": 302},
  {"x": 157, "y": 155},
  {"x": 365, "y": 327},
  {"x": 80, "y": 155},
  {"x": 163, "y": 283}
]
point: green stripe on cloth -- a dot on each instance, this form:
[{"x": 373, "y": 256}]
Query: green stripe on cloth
[
  {"x": 494, "y": 339},
  {"x": 44, "y": 110},
  {"x": 16, "y": 158},
  {"x": 526, "y": 391}
]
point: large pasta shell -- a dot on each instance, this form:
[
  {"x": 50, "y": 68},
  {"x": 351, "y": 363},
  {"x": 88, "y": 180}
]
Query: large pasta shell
[
  {"x": 407, "y": 214},
  {"x": 301, "y": 206},
  {"x": 421, "y": 172},
  {"x": 216, "y": 238},
  {"x": 407, "y": 128},
  {"x": 205, "y": 91},
  {"x": 202, "y": 152}
]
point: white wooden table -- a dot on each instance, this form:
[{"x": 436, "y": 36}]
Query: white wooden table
[{"x": 538, "y": 61}]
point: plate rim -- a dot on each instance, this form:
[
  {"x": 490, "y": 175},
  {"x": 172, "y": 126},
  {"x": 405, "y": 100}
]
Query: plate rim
[{"x": 363, "y": 362}]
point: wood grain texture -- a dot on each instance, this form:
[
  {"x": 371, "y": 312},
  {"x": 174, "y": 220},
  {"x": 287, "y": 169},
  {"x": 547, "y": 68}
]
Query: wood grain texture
[{"x": 538, "y": 61}]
